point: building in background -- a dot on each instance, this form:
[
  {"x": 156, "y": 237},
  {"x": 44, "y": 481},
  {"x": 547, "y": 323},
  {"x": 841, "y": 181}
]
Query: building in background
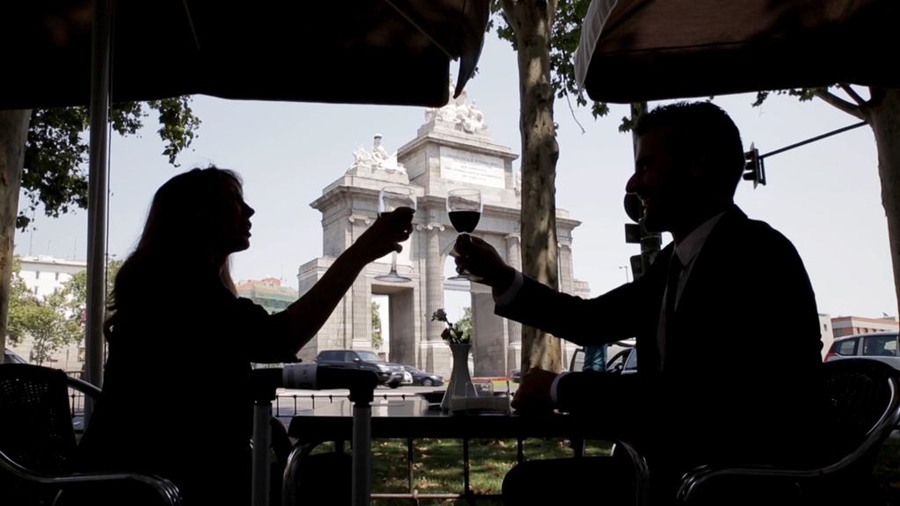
[
  {"x": 855, "y": 325},
  {"x": 44, "y": 274},
  {"x": 268, "y": 293},
  {"x": 453, "y": 149}
]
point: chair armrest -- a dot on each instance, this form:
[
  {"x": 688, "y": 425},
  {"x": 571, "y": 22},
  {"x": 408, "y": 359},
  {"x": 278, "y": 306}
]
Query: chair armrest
[
  {"x": 638, "y": 462},
  {"x": 701, "y": 476},
  {"x": 84, "y": 387},
  {"x": 165, "y": 489},
  {"x": 641, "y": 471}
]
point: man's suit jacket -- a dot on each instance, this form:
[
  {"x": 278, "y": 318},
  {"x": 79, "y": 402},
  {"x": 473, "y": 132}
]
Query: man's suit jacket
[{"x": 742, "y": 369}]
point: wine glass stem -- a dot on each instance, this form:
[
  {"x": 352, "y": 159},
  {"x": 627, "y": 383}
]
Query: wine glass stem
[
  {"x": 394, "y": 263},
  {"x": 462, "y": 234}
]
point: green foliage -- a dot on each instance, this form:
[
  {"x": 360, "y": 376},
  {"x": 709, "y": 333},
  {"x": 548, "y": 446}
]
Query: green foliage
[
  {"x": 455, "y": 333},
  {"x": 177, "y": 125},
  {"x": 54, "y": 321},
  {"x": 465, "y": 323},
  {"x": 803, "y": 94},
  {"x": 48, "y": 321},
  {"x": 50, "y": 326},
  {"x": 75, "y": 289},
  {"x": 377, "y": 339},
  {"x": 56, "y": 151},
  {"x": 19, "y": 295}
]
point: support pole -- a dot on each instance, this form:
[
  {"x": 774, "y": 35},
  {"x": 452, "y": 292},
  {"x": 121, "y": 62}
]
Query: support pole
[{"x": 97, "y": 205}]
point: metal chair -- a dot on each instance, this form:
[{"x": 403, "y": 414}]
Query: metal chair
[
  {"x": 863, "y": 408},
  {"x": 37, "y": 440}
]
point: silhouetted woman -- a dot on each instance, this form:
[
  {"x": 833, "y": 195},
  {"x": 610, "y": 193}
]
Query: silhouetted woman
[{"x": 181, "y": 341}]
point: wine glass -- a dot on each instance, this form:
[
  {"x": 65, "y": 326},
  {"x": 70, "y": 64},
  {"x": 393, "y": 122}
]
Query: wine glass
[
  {"x": 390, "y": 199},
  {"x": 464, "y": 208}
]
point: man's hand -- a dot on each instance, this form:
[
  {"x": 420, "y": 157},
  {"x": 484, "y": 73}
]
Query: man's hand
[
  {"x": 481, "y": 259},
  {"x": 533, "y": 394},
  {"x": 385, "y": 235}
]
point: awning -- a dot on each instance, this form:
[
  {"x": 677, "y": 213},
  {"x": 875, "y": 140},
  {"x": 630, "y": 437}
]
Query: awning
[
  {"x": 394, "y": 52},
  {"x": 638, "y": 50},
  {"x": 376, "y": 52}
]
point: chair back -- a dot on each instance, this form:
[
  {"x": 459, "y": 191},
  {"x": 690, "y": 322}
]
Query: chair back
[
  {"x": 862, "y": 408},
  {"x": 35, "y": 428}
]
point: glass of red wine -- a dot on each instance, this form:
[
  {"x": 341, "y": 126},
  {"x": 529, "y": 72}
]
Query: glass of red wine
[
  {"x": 390, "y": 199},
  {"x": 464, "y": 208}
]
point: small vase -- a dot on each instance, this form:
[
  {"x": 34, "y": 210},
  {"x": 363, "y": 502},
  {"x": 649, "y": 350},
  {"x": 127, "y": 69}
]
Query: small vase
[{"x": 460, "y": 380}]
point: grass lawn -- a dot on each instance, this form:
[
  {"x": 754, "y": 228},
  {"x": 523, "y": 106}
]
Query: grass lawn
[{"x": 438, "y": 466}]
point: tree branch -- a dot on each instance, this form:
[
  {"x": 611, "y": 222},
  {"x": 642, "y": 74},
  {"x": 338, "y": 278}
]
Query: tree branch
[
  {"x": 841, "y": 104},
  {"x": 572, "y": 110},
  {"x": 509, "y": 12},
  {"x": 854, "y": 95}
]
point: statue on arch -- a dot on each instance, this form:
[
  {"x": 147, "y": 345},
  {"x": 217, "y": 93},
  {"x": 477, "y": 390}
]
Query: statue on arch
[
  {"x": 378, "y": 151},
  {"x": 472, "y": 119},
  {"x": 377, "y": 158},
  {"x": 458, "y": 114}
]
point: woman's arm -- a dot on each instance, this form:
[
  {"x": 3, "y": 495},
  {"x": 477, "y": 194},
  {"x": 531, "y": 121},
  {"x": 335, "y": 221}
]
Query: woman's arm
[{"x": 307, "y": 315}]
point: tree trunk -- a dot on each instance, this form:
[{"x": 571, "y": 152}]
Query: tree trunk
[
  {"x": 13, "y": 133},
  {"x": 532, "y": 21},
  {"x": 884, "y": 118}
]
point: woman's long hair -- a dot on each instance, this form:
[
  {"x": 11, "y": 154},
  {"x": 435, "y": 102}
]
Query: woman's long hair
[{"x": 175, "y": 244}]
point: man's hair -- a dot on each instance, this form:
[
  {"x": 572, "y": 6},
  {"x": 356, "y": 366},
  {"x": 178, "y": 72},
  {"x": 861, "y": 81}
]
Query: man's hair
[{"x": 700, "y": 128}]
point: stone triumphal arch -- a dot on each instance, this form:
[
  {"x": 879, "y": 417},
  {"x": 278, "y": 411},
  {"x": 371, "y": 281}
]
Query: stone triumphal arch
[{"x": 452, "y": 149}]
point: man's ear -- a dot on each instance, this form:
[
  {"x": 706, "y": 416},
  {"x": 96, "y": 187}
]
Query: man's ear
[{"x": 698, "y": 165}]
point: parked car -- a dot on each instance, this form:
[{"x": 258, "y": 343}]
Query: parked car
[
  {"x": 881, "y": 346},
  {"x": 11, "y": 357},
  {"x": 389, "y": 374},
  {"x": 426, "y": 379},
  {"x": 621, "y": 358},
  {"x": 615, "y": 348},
  {"x": 623, "y": 362}
]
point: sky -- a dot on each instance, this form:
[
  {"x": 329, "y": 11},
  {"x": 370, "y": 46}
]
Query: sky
[{"x": 824, "y": 197}]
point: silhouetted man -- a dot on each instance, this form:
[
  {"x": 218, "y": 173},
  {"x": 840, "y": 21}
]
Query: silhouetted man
[{"x": 725, "y": 320}]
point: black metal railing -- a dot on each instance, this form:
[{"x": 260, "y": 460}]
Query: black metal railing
[{"x": 285, "y": 406}]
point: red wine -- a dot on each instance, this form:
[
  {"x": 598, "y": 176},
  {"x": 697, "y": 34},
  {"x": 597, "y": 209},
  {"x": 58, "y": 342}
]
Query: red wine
[{"x": 465, "y": 221}]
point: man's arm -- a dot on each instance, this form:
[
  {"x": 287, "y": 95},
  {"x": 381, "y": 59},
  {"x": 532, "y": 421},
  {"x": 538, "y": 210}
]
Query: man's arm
[
  {"x": 608, "y": 318},
  {"x": 611, "y": 317},
  {"x": 605, "y": 319}
]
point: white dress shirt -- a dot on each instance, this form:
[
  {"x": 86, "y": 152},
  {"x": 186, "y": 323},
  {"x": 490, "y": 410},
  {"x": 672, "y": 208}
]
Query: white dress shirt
[{"x": 687, "y": 251}]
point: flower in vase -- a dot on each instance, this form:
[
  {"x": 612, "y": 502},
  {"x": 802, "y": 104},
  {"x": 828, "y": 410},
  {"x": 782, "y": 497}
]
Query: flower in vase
[{"x": 454, "y": 333}]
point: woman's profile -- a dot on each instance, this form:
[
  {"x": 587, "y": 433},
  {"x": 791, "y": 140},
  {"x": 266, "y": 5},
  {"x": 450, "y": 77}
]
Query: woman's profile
[{"x": 180, "y": 341}]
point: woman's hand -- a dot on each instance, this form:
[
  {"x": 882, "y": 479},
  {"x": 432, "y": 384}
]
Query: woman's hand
[
  {"x": 385, "y": 235},
  {"x": 307, "y": 315}
]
